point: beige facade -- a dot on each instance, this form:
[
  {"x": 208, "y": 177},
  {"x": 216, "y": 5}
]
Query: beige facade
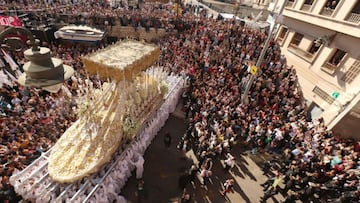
[{"x": 321, "y": 39}]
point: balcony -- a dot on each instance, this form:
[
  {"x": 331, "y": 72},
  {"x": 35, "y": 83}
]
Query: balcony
[
  {"x": 280, "y": 40},
  {"x": 289, "y": 4},
  {"x": 327, "y": 12},
  {"x": 330, "y": 66},
  {"x": 301, "y": 53},
  {"x": 354, "y": 18},
  {"x": 306, "y": 7}
]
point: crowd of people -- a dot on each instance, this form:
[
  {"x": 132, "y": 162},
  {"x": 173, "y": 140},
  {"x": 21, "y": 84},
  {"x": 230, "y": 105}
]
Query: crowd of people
[
  {"x": 95, "y": 14},
  {"x": 216, "y": 56}
]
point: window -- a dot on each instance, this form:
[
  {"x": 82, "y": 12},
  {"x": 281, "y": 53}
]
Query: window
[
  {"x": 300, "y": 51},
  {"x": 290, "y": 3},
  {"x": 332, "y": 64},
  {"x": 296, "y": 39},
  {"x": 323, "y": 95},
  {"x": 337, "y": 57},
  {"x": 356, "y": 9},
  {"x": 283, "y": 32},
  {"x": 307, "y": 5},
  {"x": 309, "y": 2},
  {"x": 353, "y": 71},
  {"x": 329, "y": 7},
  {"x": 331, "y": 4},
  {"x": 354, "y": 16},
  {"x": 314, "y": 48}
]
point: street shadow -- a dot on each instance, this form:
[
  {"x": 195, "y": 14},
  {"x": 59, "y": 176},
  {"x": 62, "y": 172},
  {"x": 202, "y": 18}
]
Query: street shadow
[
  {"x": 246, "y": 171},
  {"x": 274, "y": 200},
  {"x": 241, "y": 160},
  {"x": 235, "y": 170},
  {"x": 261, "y": 158},
  {"x": 238, "y": 190}
]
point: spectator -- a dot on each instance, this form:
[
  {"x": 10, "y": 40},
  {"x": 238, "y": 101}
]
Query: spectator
[
  {"x": 228, "y": 186},
  {"x": 167, "y": 140}
]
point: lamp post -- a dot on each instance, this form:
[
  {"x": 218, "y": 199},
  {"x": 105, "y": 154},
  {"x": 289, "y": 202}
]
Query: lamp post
[
  {"x": 41, "y": 71},
  {"x": 244, "y": 98}
]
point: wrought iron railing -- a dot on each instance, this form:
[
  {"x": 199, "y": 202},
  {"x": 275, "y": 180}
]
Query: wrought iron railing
[
  {"x": 323, "y": 95},
  {"x": 330, "y": 66},
  {"x": 354, "y": 18}
]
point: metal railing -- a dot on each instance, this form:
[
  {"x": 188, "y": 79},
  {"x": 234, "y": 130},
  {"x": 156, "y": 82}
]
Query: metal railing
[
  {"x": 329, "y": 66},
  {"x": 301, "y": 52},
  {"x": 354, "y": 18},
  {"x": 323, "y": 95}
]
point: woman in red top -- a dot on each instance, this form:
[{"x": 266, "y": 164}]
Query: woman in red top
[{"x": 228, "y": 186}]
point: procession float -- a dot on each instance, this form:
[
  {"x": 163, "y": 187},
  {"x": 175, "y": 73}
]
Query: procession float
[
  {"x": 112, "y": 114},
  {"x": 79, "y": 33},
  {"x": 116, "y": 123}
]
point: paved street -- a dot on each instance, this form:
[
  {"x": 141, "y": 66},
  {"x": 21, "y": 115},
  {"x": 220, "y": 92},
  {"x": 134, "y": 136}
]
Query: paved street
[{"x": 164, "y": 166}]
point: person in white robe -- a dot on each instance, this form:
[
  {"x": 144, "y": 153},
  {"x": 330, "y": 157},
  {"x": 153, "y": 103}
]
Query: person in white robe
[{"x": 139, "y": 164}]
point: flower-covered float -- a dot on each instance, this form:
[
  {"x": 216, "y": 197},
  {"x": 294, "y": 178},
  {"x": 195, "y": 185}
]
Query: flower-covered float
[{"x": 110, "y": 115}]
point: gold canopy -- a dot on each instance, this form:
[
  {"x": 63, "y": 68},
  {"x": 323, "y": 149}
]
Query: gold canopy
[{"x": 122, "y": 60}]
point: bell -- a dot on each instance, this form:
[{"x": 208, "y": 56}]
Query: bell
[{"x": 43, "y": 71}]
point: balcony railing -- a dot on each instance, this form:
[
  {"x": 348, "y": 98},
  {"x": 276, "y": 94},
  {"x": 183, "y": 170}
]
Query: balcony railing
[
  {"x": 306, "y": 7},
  {"x": 300, "y": 52},
  {"x": 354, "y": 18},
  {"x": 327, "y": 11},
  {"x": 330, "y": 66},
  {"x": 280, "y": 40},
  {"x": 289, "y": 4}
]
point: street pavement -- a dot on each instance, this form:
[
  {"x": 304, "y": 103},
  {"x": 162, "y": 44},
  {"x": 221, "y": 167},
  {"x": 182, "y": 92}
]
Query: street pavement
[{"x": 163, "y": 168}]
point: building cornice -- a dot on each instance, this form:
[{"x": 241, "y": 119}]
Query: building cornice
[{"x": 340, "y": 26}]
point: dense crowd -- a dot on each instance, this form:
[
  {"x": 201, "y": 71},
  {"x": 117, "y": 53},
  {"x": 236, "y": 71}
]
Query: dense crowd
[
  {"x": 93, "y": 14},
  {"x": 216, "y": 57}
]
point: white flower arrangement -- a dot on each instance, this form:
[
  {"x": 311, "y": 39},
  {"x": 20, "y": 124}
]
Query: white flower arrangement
[
  {"x": 164, "y": 88},
  {"x": 82, "y": 108}
]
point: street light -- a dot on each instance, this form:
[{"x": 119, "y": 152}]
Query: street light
[
  {"x": 41, "y": 71},
  {"x": 244, "y": 98}
]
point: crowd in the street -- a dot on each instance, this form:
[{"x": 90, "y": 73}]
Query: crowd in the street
[
  {"x": 216, "y": 57},
  {"x": 95, "y": 14}
]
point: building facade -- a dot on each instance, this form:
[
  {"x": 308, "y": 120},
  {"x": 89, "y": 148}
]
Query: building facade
[{"x": 321, "y": 39}]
